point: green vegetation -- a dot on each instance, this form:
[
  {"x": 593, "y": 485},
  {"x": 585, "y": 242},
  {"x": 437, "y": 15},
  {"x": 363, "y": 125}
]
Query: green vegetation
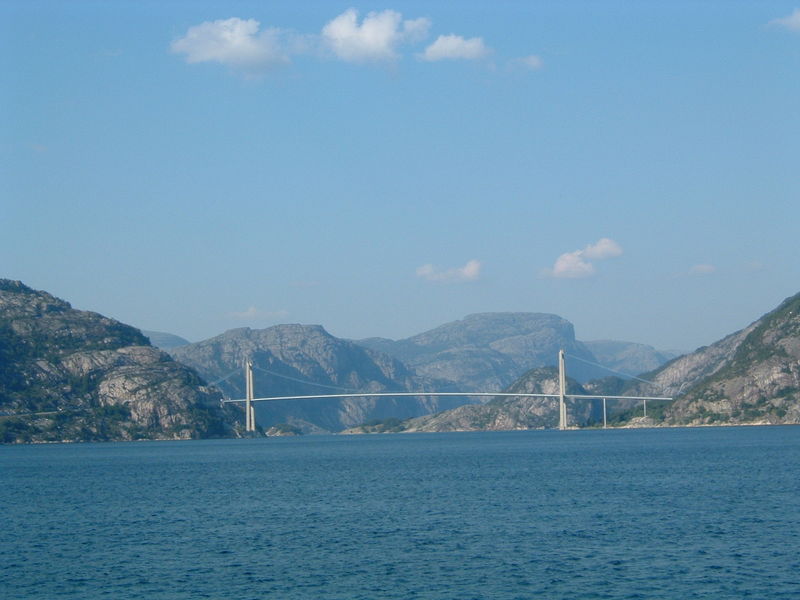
[{"x": 390, "y": 425}]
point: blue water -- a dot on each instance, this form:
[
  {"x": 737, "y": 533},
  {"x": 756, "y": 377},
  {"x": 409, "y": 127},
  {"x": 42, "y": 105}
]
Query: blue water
[{"x": 676, "y": 513}]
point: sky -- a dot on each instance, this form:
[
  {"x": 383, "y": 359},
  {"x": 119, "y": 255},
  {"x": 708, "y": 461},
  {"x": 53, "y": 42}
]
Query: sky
[{"x": 382, "y": 168}]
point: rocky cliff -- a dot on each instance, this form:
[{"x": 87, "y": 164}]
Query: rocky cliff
[
  {"x": 305, "y": 360},
  {"x": 71, "y": 375},
  {"x": 489, "y": 351},
  {"x": 752, "y": 376}
]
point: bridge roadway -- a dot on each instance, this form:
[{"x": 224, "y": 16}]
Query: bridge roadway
[
  {"x": 471, "y": 394},
  {"x": 250, "y": 409},
  {"x": 250, "y": 415}
]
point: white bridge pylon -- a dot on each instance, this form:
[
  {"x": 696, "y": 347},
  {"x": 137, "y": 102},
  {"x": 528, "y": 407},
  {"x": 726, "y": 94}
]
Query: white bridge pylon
[{"x": 250, "y": 416}]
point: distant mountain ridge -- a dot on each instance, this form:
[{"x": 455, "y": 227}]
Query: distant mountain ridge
[
  {"x": 306, "y": 360},
  {"x": 71, "y": 375},
  {"x": 484, "y": 351},
  {"x": 488, "y": 351},
  {"x": 749, "y": 377},
  {"x": 628, "y": 358}
]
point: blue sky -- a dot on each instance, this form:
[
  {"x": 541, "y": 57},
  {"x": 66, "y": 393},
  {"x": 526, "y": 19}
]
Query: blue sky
[{"x": 384, "y": 168}]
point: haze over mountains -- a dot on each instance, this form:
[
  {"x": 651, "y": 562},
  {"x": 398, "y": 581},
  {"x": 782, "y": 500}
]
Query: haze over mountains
[
  {"x": 482, "y": 352},
  {"x": 67, "y": 374},
  {"x": 165, "y": 341}
]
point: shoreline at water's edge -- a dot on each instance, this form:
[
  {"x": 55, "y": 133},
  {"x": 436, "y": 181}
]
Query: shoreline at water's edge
[
  {"x": 355, "y": 433},
  {"x": 653, "y": 426}
]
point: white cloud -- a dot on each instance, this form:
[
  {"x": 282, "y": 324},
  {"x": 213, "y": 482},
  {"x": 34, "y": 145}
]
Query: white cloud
[
  {"x": 375, "y": 39},
  {"x": 252, "y": 313},
  {"x": 532, "y": 62},
  {"x": 702, "y": 269},
  {"x": 455, "y": 47},
  {"x": 790, "y": 22},
  {"x": 232, "y": 42},
  {"x": 469, "y": 272},
  {"x": 604, "y": 248},
  {"x": 243, "y": 45},
  {"x": 572, "y": 265},
  {"x": 577, "y": 264}
]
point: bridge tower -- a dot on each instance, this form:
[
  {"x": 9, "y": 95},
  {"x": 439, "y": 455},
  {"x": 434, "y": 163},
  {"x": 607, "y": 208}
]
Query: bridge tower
[
  {"x": 562, "y": 390},
  {"x": 249, "y": 409}
]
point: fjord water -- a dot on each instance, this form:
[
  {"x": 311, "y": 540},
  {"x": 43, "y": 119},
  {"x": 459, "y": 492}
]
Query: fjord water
[{"x": 671, "y": 513}]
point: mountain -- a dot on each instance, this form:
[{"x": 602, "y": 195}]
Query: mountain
[
  {"x": 628, "y": 358},
  {"x": 503, "y": 413},
  {"x": 749, "y": 377},
  {"x": 72, "y": 375},
  {"x": 752, "y": 376},
  {"x": 488, "y": 351},
  {"x": 165, "y": 341},
  {"x": 306, "y": 360}
]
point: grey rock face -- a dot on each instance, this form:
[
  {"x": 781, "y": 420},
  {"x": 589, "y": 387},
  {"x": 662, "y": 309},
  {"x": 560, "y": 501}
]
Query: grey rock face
[
  {"x": 67, "y": 375},
  {"x": 681, "y": 374},
  {"x": 488, "y": 351},
  {"x": 755, "y": 376},
  {"x": 306, "y": 360}
]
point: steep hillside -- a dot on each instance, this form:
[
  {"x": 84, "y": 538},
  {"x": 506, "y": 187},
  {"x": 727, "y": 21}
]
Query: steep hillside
[
  {"x": 306, "y": 359},
  {"x": 67, "y": 374},
  {"x": 681, "y": 374},
  {"x": 488, "y": 351},
  {"x": 757, "y": 379}
]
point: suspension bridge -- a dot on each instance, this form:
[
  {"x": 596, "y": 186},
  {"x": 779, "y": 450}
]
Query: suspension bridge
[{"x": 249, "y": 400}]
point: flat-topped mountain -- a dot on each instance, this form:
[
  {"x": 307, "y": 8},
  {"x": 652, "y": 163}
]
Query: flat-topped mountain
[
  {"x": 749, "y": 377},
  {"x": 68, "y": 374},
  {"x": 488, "y": 351},
  {"x": 307, "y": 360}
]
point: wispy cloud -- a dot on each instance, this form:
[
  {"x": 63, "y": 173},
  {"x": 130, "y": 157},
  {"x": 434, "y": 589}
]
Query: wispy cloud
[
  {"x": 532, "y": 62},
  {"x": 254, "y": 314},
  {"x": 702, "y": 269},
  {"x": 376, "y": 38},
  {"x": 455, "y": 47},
  {"x": 790, "y": 22},
  {"x": 469, "y": 272},
  {"x": 579, "y": 263},
  {"x": 754, "y": 266},
  {"x": 234, "y": 42}
]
